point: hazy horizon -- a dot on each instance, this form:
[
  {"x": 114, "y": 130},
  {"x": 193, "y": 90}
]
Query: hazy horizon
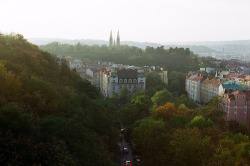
[{"x": 154, "y": 21}]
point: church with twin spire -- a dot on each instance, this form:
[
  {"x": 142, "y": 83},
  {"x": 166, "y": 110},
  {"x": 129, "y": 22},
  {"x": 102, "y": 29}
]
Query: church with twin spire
[{"x": 112, "y": 42}]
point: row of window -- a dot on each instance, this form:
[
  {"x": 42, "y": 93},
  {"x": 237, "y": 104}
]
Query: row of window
[
  {"x": 236, "y": 103},
  {"x": 125, "y": 81}
]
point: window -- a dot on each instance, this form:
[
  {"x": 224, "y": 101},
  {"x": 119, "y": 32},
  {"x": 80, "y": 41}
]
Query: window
[
  {"x": 235, "y": 113},
  {"x": 245, "y": 114},
  {"x": 120, "y": 81},
  {"x": 243, "y": 97},
  {"x": 130, "y": 81},
  {"x": 134, "y": 81},
  {"x": 237, "y": 96},
  {"x": 125, "y": 81}
]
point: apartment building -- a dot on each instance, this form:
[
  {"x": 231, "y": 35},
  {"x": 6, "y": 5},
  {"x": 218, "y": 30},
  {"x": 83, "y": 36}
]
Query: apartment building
[
  {"x": 210, "y": 87},
  {"x": 193, "y": 86},
  {"x": 236, "y": 105},
  {"x": 111, "y": 81}
]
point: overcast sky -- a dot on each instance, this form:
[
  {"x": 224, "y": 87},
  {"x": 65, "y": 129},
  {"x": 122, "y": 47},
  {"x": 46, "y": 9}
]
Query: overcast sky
[{"x": 137, "y": 20}]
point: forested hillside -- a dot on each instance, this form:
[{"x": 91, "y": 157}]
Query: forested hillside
[
  {"x": 175, "y": 59},
  {"x": 48, "y": 114}
]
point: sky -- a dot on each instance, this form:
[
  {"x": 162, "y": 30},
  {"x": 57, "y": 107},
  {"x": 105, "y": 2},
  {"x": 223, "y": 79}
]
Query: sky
[{"x": 137, "y": 20}]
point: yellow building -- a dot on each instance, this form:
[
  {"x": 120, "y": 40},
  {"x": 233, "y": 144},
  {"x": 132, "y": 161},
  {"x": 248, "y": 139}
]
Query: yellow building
[{"x": 163, "y": 74}]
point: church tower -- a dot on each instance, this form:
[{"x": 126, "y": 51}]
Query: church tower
[
  {"x": 118, "y": 39},
  {"x": 111, "y": 40}
]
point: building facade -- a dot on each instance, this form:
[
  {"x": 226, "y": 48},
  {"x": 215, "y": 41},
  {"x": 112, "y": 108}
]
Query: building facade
[
  {"x": 112, "y": 81},
  {"x": 193, "y": 86},
  {"x": 210, "y": 87},
  {"x": 236, "y": 105}
]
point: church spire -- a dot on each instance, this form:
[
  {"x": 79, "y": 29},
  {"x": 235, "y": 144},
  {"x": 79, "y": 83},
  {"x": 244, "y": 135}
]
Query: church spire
[
  {"x": 118, "y": 39},
  {"x": 110, "y": 39}
]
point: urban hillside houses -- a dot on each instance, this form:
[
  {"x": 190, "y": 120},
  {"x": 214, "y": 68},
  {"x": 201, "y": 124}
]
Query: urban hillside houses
[{"x": 235, "y": 101}]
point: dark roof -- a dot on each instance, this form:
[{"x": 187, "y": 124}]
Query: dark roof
[{"x": 127, "y": 73}]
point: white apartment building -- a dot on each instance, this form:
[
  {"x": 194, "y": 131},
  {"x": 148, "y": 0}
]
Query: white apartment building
[
  {"x": 111, "y": 81},
  {"x": 193, "y": 86}
]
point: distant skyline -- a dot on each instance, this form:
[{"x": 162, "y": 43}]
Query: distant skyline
[{"x": 156, "y": 21}]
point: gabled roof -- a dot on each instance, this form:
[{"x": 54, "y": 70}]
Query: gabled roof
[
  {"x": 192, "y": 77},
  {"x": 198, "y": 78},
  {"x": 214, "y": 82},
  {"x": 233, "y": 75}
]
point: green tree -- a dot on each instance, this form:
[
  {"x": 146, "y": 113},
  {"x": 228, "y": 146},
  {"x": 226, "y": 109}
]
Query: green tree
[
  {"x": 151, "y": 140},
  {"x": 189, "y": 147},
  {"x": 200, "y": 122},
  {"x": 154, "y": 80},
  {"x": 124, "y": 95},
  {"x": 161, "y": 97}
]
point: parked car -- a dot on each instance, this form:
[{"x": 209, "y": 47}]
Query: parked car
[
  {"x": 128, "y": 163},
  {"x": 137, "y": 160},
  {"x": 125, "y": 150},
  {"x": 123, "y": 130}
]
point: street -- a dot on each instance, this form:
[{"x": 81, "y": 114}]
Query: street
[{"x": 126, "y": 157}]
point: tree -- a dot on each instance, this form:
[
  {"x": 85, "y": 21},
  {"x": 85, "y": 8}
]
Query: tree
[
  {"x": 10, "y": 84},
  {"x": 189, "y": 147},
  {"x": 223, "y": 154},
  {"x": 200, "y": 122},
  {"x": 166, "y": 112},
  {"x": 183, "y": 99},
  {"x": 150, "y": 141},
  {"x": 161, "y": 97},
  {"x": 150, "y": 50},
  {"x": 140, "y": 97},
  {"x": 124, "y": 95},
  {"x": 153, "y": 80},
  {"x": 179, "y": 121},
  {"x": 213, "y": 111},
  {"x": 238, "y": 138}
]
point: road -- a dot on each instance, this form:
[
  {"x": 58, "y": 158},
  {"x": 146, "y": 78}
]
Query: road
[{"x": 128, "y": 156}]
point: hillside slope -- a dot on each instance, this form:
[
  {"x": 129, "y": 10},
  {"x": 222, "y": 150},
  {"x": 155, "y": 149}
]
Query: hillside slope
[{"x": 48, "y": 114}]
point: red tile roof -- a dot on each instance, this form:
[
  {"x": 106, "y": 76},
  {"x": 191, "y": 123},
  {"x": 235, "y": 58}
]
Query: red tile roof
[
  {"x": 198, "y": 78},
  {"x": 231, "y": 75}
]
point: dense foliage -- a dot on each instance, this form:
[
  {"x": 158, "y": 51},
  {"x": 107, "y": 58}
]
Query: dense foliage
[
  {"x": 174, "y": 131},
  {"x": 48, "y": 114},
  {"x": 175, "y": 59}
]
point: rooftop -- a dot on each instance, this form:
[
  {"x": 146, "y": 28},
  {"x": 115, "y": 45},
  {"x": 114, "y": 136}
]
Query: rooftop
[
  {"x": 215, "y": 82},
  {"x": 127, "y": 73},
  {"x": 231, "y": 85}
]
